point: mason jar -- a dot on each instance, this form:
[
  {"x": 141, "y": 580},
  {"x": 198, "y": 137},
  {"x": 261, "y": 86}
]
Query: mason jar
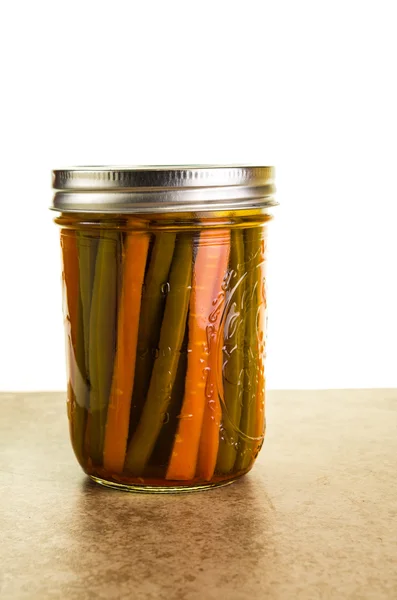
[{"x": 164, "y": 289}]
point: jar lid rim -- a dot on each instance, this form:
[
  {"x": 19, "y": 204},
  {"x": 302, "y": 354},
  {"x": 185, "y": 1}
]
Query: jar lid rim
[{"x": 151, "y": 188}]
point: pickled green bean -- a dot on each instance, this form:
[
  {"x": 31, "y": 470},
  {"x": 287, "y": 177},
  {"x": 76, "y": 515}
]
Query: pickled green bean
[
  {"x": 165, "y": 366},
  {"x": 253, "y": 257},
  {"x": 152, "y": 306},
  {"x": 165, "y": 441},
  {"x": 102, "y": 338},
  {"x": 80, "y": 390},
  {"x": 233, "y": 360},
  {"x": 86, "y": 247}
]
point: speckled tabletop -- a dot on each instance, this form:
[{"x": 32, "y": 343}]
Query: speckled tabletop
[{"x": 316, "y": 518}]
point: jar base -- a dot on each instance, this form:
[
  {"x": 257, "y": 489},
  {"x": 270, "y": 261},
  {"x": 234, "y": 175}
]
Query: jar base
[{"x": 168, "y": 489}]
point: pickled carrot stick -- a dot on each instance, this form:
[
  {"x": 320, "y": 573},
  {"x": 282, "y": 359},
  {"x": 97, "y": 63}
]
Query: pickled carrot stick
[
  {"x": 209, "y": 441},
  {"x": 118, "y": 415},
  {"x": 183, "y": 459}
]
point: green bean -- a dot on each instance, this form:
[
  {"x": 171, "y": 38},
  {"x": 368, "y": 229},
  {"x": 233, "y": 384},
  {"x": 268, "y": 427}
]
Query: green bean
[
  {"x": 80, "y": 390},
  {"x": 165, "y": 441},
  {"x": 165, "y": 366},
  {"x": 233, "y": 370},
  {"x": 86, "y": 246},
  {"x": 253, "y": 240},
  {"x": 150, "y": 319},
  {"x": 102, "y": 338}
]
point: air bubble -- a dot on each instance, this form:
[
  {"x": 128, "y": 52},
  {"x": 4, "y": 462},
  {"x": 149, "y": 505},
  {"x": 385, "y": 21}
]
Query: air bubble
[{"x": 165, "y": 288}]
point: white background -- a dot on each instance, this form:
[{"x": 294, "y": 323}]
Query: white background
[{"x": 307, "y": 86}]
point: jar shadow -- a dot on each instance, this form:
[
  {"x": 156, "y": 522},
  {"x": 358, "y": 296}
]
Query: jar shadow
[{"x": 168, "y": 544}]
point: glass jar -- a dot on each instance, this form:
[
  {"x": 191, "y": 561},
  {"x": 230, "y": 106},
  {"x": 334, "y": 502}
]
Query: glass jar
[{"x": 165, "y": 314}]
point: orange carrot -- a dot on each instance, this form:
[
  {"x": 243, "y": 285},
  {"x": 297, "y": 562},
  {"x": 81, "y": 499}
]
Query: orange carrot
[
  {"x": 209, "y": 441},
  {"x": 183, "y": 459},
  {"x": 118, "y": 415}
]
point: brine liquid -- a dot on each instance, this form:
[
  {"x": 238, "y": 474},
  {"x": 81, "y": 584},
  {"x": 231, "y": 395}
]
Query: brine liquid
[{"x": 165, "y": 328}]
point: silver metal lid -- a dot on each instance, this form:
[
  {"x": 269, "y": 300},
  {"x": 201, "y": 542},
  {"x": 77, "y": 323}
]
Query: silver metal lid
[{"x": 153, "y": 189}]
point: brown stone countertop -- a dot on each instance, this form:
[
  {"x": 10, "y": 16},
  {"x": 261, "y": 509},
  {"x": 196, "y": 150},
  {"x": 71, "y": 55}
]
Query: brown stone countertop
[{"x": 316, "y": 518}]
